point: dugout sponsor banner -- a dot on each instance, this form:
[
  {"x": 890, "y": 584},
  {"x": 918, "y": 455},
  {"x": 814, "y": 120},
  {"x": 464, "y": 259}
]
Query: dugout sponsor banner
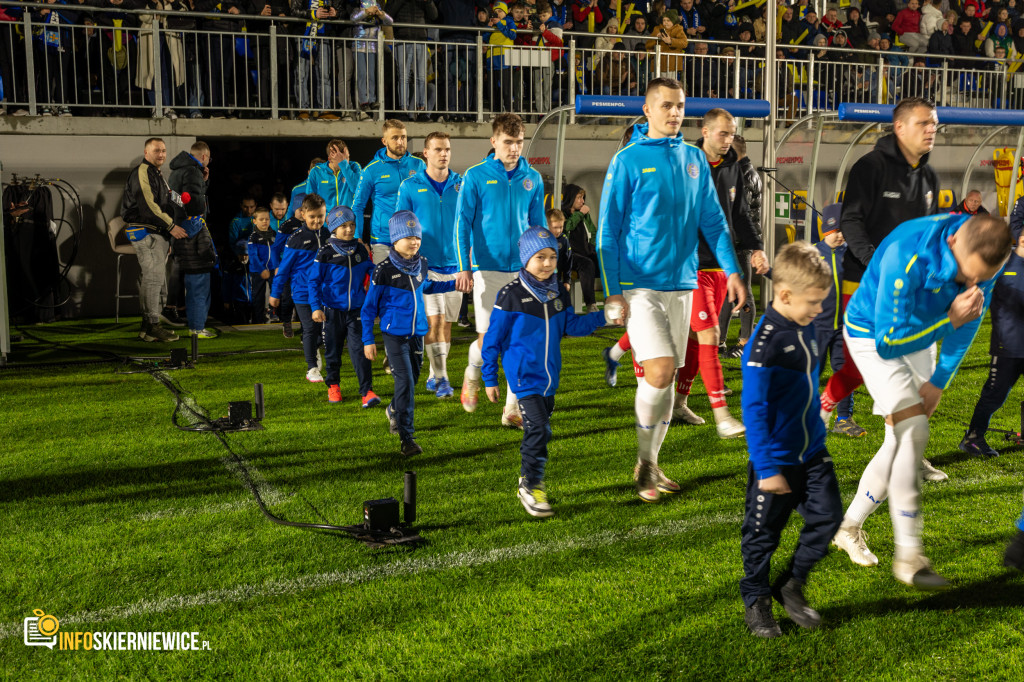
[{"x": 42, "y": 629}]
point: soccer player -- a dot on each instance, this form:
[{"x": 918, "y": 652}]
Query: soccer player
[
  {"x": 657, "y": 196},
  {"x": 336, "y": 179},
  {"x": 717, "y": 133},
  {"x": 379, "y": 182},
  {"x": 432, "y": 194},
  {"x": 501, "y": 197},
  {"x": 889, "y": 185},
  {"x": 931, "y": 279}
]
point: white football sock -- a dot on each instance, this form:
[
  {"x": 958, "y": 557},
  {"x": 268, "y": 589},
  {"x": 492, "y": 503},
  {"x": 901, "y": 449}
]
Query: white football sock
[
  {"x": 653, "y": 414},
  {"x": 511, "y": 402},
  {"x": 431, "y": 350},
  {"x": 476, "y": 361},
  {"x": 441, "y": 358},
  {"x": 616, "y": 352},
  {"x": 874, "y": 482},
  {"x": 905, "y": 481}
]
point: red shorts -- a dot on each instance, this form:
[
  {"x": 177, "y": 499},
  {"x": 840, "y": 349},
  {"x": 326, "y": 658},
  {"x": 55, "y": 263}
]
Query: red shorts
[{"x": 708, "y": 299}]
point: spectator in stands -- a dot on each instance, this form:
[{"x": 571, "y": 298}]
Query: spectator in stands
[
  {"x": 907, "y": 26},
  {"x": 456, "y": 60},
  {"x": 172, "y": 57},
  {"x": 811, "y": 27},
  {"x": 980, "y": 10},
  {"x": 587, "y": 15},
  {"x": 610, "y": 37},
  {"x": 617, "y": 75},
  {"x": 970, "y": 13},
  {"x": 671, "y": 35},
  {"x": 700, "y": 77},
  {"x": 694, "y": 23},
  {"x": 371, "y": 18},
  {"x": 505, "y": 90},
  {"x": 722, "y": 20},
  {"x": 999, "y": 36},
  {"x": 761, "y": 25},
  {"x": 219, "y": 46},
  {"x": 790, "y": 30},
  {"x": 635, "y": 37},
  {"x": 256, "y": 52},
  {"x": 963, "y": 43},
  {"x": 411, "y": 57},
  {"x": 313, "y": 67},
  {"x": 830, "y": 23},
  {"x": 920, "y": 81},
  {"x": 561, "y": 13},
  {"x": 346, "y": 95},
  {"x": 53, "y": 57},
  {"x": 941, "y": 40},
  {"x": 882, "y": 12},
  {"x": 931, "y": 17},
  {"x": 856, "y": 29},
  {"x": 751, "y": 55},
  {"x": 549, "y": 34}
]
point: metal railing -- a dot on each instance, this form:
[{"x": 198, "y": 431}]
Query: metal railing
[{"x": 178, "y": 64}]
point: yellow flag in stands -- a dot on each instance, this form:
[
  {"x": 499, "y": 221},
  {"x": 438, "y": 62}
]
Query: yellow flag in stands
[{"x": 1003, "y": 166}]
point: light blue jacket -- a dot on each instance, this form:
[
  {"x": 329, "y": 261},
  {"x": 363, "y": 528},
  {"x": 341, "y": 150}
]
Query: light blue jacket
[
  {"x": 657, "y": 195},
  {"x": 380, "y": 181},
  {"x": 436, "y": 213},
  {"x": 903, "y": 299},
  {"x": 337, "y": 189},
  {"x": 494, "y": 211}
]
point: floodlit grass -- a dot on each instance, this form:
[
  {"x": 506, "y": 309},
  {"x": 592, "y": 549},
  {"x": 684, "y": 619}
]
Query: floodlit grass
[{"x": 116, "y": 521}]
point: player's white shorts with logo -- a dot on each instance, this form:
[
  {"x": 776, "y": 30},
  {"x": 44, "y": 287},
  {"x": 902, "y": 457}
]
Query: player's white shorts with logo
[
  {"x": 486, "y": 285},
  {"x": 893, "y": 384},
  {"x": 447, "y": 304},
  {"x": 659, "y": 323},
  {"x": 379, "y": 252}
]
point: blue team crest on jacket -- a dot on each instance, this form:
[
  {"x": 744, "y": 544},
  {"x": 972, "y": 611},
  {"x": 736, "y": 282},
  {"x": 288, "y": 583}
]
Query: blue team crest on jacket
[
  {"x": 692, "y": 170},
  {"x": 527, "y": 184}
]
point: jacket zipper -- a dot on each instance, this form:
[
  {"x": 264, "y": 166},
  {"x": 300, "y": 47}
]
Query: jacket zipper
[
  {"x": 414, "y": 306},
  {"x": 547, "y": 338},
  {"x": 349, "y": 282},
  {"x": 839, "y": 296},
  {"x": 810, "y": 395}
]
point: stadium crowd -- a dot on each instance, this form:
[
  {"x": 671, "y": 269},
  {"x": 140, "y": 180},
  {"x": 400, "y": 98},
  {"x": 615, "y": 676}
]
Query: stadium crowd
[{"x": 96, "y": 56}]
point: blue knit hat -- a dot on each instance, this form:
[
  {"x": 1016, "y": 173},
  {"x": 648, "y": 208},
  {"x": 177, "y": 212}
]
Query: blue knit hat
[
  {"x": 338, "y": 216},
  {"x": 404, "y": 224},
  {"x": 533, "y": 240}
]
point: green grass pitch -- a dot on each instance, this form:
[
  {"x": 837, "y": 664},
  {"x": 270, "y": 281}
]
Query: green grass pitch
[{"x": 113, "y": 520}]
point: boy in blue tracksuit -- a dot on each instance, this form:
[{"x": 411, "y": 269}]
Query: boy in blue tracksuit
[
  {"x": 829, "y": 326},
  {"x": 337, "y": 288},
  {"x": 262, "y": 263},
  {"x": 396, "y": 297},
  {"x": 335, "y": 179},
  {"x": 529, "y": 319},
  {"x": 432, "y": 194},
  {"x": 286, "y": 307},
  {"x": 379, "y": 182},
  {"x": 789, "y": 466},
  {"x": 930, "y": 279},
  {"x": 294, "y": 269}
]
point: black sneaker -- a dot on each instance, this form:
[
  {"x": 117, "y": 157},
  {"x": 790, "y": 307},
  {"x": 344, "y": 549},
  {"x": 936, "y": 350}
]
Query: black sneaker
[
  {"x": 735, "y": 352},
  {"x": 790, "y": 594},
  {"x": 848, "y": 427},
  {"x": 759, "y": 618},
  {"x": 286, "y": 330},
  {"x": 410, "y": 447},
  {"x": 1014, "y": 556},
  {"x": 973, "y": 444},
  {"x": 463, "y": 321},
  {"x": 171, "y": 317}
]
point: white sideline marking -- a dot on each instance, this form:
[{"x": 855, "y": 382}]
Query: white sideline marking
[{"x": 443, "y": 562}]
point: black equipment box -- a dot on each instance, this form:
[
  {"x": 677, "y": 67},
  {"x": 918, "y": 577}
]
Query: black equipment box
[{"x": 380, "y": 515}]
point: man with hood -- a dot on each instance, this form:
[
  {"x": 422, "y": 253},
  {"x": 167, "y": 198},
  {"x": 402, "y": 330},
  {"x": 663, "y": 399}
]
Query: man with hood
[
  {"x": 195, "y": 253},
  {"x": 887, "y": 186},
  {"x": 380, "y": 181},
  {"x": 647, "y": 249}
]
